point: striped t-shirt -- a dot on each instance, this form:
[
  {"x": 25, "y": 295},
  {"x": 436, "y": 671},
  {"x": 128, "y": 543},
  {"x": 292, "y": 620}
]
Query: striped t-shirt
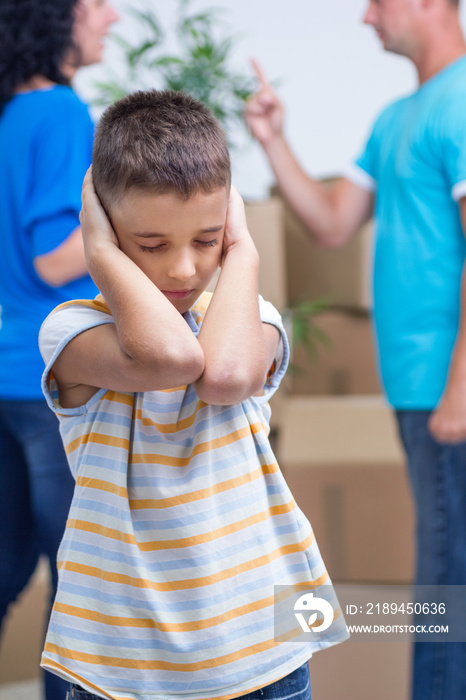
[{"x": 180, "y": 527}]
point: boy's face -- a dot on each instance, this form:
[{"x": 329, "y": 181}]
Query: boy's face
[{"x": 176, "y": 242}]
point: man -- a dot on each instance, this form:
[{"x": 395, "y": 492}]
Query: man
[{"x": 412, "y": 175}]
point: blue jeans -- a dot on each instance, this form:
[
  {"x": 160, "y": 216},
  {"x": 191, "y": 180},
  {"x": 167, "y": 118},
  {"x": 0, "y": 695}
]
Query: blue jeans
[
  {"x": 438, "y": 479},
  {"x": 36, "y": 487},
  {"x": 295, "y": 686}
]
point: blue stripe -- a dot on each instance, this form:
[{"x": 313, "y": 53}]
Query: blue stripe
[
  {"x": 188, "y": 647},
  {"x": 200, "y": 603},
  {"x": 108, "y": 554}
]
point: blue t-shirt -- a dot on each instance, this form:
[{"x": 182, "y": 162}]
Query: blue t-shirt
[
  {"x": 416, "y": 160},
  {"x": 46, "y": 141}
]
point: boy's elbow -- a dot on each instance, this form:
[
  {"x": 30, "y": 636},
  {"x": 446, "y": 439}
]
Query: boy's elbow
[
  {"x": 228, "y": 388},
  {"x": 192, "y": 366},
  {"x": 174, "y": 365},
  {"x": 186, "y": 364}
]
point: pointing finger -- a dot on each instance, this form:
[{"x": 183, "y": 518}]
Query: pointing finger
[{"x": 262, "y": 78}]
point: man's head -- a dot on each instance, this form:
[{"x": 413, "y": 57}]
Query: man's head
[
  {"x": 404, "y": 26},
  {"x": 162, "y": 171}
]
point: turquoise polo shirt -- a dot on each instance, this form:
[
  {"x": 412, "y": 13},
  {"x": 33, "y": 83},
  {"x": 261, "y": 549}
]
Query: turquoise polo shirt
[{"x": 415, "y": 162}]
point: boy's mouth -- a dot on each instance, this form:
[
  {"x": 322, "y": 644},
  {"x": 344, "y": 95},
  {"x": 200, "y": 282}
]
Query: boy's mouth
[{"x": 177, "y": 293}]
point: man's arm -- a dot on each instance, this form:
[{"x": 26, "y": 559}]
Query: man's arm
[
  {"x": 64, "y": 264},
  {"x": 238, "y": 348},
  {"x": 448, "y": 421},
  {"x": 150, "y": 346},
  {"x": 332, "y": 214}
]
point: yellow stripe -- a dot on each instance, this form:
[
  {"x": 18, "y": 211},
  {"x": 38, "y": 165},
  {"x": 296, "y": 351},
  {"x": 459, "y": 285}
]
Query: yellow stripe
[
  {"x": 98, "y": 304},
  {"x": 187, "y": 584},
  {"x": 171, "y": 427},
  {"x": 114, "y": 441},
  {"x": 148, "y": 623},
  {"x": 295, "y": 633},
  {"x": 101, "y": 485},
  {"x": 230, "y": 484},
  {"x": 158, "y": 545},
  {"x": 99, "y": 439},
  {"x": 159, "y": 665},
  {"x": 175, "y": 388},
  {"x": 202, "y": 303},
  {"x": 101, "y": 530},
  {"x": 199, "y": 449},
  {"x": 118, "y": 397},
  {"x": 49, "y": 663}
]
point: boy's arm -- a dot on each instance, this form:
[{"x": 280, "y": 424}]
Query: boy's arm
[
  {"x": 238, "y": 348},
  {"x": 150, "y": 346}
]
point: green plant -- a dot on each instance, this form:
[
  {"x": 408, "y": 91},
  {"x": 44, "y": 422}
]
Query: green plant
[
  {"x": 305, "y": 331},
  {"x": 200, "y": 66}
]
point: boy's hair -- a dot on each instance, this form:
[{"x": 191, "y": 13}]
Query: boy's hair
[{"x": 162, "y": 141}]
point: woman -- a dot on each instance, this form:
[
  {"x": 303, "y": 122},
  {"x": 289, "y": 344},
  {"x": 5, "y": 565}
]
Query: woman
[{"x": 45, "y": 149}]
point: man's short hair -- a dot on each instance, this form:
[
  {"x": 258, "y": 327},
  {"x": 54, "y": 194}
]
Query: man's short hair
[{"x": 162, "y": 141}]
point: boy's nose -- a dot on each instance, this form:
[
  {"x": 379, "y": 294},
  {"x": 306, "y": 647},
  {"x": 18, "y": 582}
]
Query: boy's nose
[{"x": 183, "y": 268}]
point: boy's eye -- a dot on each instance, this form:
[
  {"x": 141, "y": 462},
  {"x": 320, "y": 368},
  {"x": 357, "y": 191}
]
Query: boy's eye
[
  {"x": 152, "y": 249},
  {"x": 208, "y": 244},
  {"x": 161, "y": 247}
]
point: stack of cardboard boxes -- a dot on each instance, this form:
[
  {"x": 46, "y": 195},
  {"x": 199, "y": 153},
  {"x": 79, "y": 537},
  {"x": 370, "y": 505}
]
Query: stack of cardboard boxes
[
  {"x": 338, "y": 445},
  {"x": 337, "y": 434}
]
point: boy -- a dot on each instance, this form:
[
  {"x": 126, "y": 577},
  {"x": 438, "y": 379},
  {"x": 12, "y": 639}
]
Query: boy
[{"x": 181, "y": 522}]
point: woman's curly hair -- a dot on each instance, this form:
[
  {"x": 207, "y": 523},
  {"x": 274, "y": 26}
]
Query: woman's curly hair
[{"x": 34, "y": 38}]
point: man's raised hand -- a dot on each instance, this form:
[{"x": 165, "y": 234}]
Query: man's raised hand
[{"x": 264, "y": 111}]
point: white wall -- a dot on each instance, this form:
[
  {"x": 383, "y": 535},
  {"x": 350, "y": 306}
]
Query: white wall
[{"x": 334, "y": 76}]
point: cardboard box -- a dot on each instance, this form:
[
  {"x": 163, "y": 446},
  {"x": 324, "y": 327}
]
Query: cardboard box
[
  {"x": 343, "y": 462},
  {"x": 265, "y": 223},
  {"x": 346, "y": 364},
  {"x": 338, "y": 430},
  {"x": 342, "y": 275},
  {"x": 362, "y": 671},
  {"x": 362, "y": 517}
]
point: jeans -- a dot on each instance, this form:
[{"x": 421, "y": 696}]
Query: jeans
[
  {"x": 36, "y": 487},
  {"x": 295, "y": 686},
  {"x": 438, "y": 479}
]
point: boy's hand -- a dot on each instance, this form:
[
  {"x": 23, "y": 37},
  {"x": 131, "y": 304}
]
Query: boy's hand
[
  {"x": 264, "y": 111},
  {"x": 96, "y": 228},
  {"x": 236, "y": 227}
]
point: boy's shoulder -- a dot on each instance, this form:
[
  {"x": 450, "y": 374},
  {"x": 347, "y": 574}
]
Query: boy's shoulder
[
  {"x": 199, "y": 309},
  {"x": 96, "y": 304},
  {"x": 68, "y": 320},
  {"x": 99, "y": 304},
  {"x": 75, "y": 316}
]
